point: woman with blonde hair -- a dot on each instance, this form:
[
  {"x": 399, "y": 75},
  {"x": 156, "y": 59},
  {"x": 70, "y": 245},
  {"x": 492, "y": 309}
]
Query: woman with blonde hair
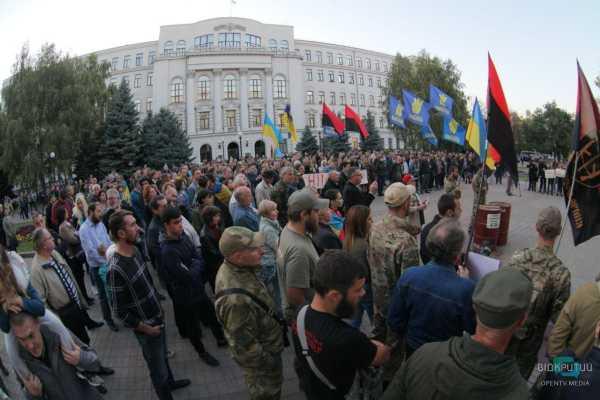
[
  {"x": 358, "y": 227},
  {"x": 80, "y": 210}
]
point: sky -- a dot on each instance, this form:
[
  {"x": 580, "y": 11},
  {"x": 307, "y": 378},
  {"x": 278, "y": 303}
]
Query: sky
[{"x": 534, "y": 43}]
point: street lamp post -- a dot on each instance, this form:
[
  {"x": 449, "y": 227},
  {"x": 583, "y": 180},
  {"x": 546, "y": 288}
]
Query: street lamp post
[
  {"x": 240, "y": 137},
  {"x": 52, "y": 156}
]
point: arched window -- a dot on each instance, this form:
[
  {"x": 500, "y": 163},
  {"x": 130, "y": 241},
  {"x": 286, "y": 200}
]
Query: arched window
[
  {"x": 203, "y": 88},
  {"x": 177, "y": 90},
  {"x": 230, "y": 87},
  {"x": 280, "y": 87},
  {"x": 272, "y": 44},
  {"x": 180, "y": 47},
  {"x": 168, "y": 48},
  {"x": 284, "y": 45}
]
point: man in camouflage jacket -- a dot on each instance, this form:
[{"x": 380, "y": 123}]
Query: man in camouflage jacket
[
  {"x": 551, "y": 288},
  {"x": 392, "y": 249}
]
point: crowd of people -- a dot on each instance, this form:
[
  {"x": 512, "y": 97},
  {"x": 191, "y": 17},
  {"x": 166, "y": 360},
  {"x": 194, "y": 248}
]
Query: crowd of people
[{"x": 264, "y": 261}]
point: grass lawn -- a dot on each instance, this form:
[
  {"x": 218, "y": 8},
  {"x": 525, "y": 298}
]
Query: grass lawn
[{"x": 24, "y": 247}]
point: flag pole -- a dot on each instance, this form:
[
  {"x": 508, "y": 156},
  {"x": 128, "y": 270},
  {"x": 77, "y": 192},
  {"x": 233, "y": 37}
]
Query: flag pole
[
  {"x": 574, "y": 178},
  {"x": 474, "y": 212}
]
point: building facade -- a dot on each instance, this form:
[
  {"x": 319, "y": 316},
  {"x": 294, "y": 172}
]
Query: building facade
[{"x": 220, "y": 76}]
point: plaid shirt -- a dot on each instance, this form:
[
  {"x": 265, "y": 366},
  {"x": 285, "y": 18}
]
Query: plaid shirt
[{"x": 133, "y": 294}]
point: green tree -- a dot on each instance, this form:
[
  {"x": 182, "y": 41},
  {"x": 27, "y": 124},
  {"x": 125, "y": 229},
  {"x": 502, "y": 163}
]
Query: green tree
[
  {"x": 373, "y": 141},
  {"x": 336, "y": 144},
  {"x": 547, "y": 130},
  {"x": 122, "y": 144},
  {"x": 163, "y": 140},
  {"x": 308, "y": 143},
  {"x": 416, "y": 73},
  {"x": 50, "y": 103}
]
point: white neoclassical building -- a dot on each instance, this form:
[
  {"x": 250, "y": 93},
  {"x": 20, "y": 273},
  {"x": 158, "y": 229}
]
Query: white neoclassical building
[{"x": 220, "y": 76}]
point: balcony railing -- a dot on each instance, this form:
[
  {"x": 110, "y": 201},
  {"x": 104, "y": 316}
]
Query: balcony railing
[{"x": 230, "y": 50}]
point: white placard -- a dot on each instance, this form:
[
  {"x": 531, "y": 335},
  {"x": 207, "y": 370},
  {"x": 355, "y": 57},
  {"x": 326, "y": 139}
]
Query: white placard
[
  {"x": 549, "y": 174},
  {"x": 365, "y": 178},
  {"x": 480, "y": 265},
  {"x": 560, "y": 173},
  {"x": 315, "y": 181},
  {"x": 493, "y": 221}
]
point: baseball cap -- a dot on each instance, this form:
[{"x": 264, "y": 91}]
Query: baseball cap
[
  {"x": 397, "y": 193},
  {"x": 304, "y": 200},
  {"x": 236, "y": 238}
]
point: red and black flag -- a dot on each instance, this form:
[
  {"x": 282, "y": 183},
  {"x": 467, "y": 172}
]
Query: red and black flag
[
  {"x": 331, "y": 120},
  {"x": 583, "y": 170},
  {"x": 501, "y": 141},
  {"x": 354, "y": 123}
]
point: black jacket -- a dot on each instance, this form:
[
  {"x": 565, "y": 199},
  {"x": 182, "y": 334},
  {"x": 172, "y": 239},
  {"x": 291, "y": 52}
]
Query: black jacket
[
  {"x": 425, "y": 255},
  {"x": 210, "y": 250},
  {"x": 330, "y": 185},
  {"x": 326, "y": 239},
  {"x": 353, "y": 196}
]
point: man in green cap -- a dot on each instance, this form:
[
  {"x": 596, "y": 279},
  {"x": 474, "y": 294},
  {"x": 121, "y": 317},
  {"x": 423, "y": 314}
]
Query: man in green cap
[
  {"x": 253, "y": 333},
  {"x": 551, "y": 289},
  {"x": 473, "y": 367}
]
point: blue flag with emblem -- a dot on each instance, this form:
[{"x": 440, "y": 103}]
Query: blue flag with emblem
[
  {"x": 453, "y": 131},
  {"x": 427, "y": 134},
  {"x": 396, "y": 113},
  {"x": 415, "y": 109},
  {"x": 440, "y": 100}
]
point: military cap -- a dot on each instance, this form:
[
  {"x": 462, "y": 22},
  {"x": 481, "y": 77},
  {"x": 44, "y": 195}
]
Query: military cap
[
  {"x": 236, "y": 238},
  {"x": 502, "y": 297},
  {"x": 304, "y": 200},
  {"x": 397, "y": 193},
  {"x": 549, "y": 222}
]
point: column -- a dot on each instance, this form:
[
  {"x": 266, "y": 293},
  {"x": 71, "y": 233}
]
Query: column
[
  {"x": 217, "y": 94},
  {"x": 269, "y": 111},
  {"x": 244, "y": 99},
  {"x": 190, "y": 100}
]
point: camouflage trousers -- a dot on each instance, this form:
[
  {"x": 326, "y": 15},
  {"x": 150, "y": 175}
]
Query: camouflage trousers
[{"x": 265, "y": 383}]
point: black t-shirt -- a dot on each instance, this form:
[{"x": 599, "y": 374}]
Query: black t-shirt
[{"x": 337, "y": 349}]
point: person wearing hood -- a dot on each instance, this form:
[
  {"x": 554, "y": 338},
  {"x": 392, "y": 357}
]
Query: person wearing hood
[
  {"x": 186, "y": 276},
  {"x": 473, "y": 366}
]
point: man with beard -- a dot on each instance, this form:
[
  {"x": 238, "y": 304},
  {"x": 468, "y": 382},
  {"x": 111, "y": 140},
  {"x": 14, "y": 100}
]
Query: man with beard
[
  {"x": 336, "y": 350},
  {"x": 451, "y": 182}
]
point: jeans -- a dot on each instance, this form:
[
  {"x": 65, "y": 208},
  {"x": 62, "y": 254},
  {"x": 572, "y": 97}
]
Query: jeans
[
  {"x": 102, "y": 294},
  {"x": 154, "y": 349},
  {"x": 271, "y": 281}
]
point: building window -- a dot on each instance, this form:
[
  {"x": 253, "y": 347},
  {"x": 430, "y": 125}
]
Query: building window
[
  {"x": 284, "y": 45},
  {"x": 371, "y": 101},
  {"x": 378, "y": 82},
  {"x": 385, "y": 67},
  {"x": 332, "y": 98},
  {"x": 382, "y": 125},
  {"x": 272, "y": 44},
  {"x": 310, "y": 97},
  {"x": 177, "y": 90},
  {"x": 307, "y": 55},
  {"x": 125, "y": 80},
  {"x": 278, "y": 119},
  {"x": 361, "y": 80},
  {"x": 368, "y": 63},
  {"x": 311, "y": 120},
  {"x": 280, "y": 88},
  {"x": 230, "y": 40},
  {"x": 203, "y": 121},
  {"x": 342, "y": 99},
  {"x": 352, "y": 99},
  {"x": 390, "y": 142},
  {"x": 256, "y": 118},
  {"x": 341, "y": 77},
  {"x": 149, "y": 104},
  {"x": 377, "y": 66},
  {"x": 349, "y": 60},
  {"x": 362, "y": 100},
  {"x": 151, "y": 57},
  {"x": 180, "y": 47},
  {"x": 138, "y": 105},
  {"x": 113, "y": 81},
  {"x": 204, "y": 41},
  {"x": 340, "y": 59},
  {"x": 230, "y": 87},
  {"x": 309, "y": 74},
  {"x": 359, "y": 62},
  {"x": 255, "y": 86},
  {"x": 331, "y": 76},
  {"x": 329, "y": 58},
  {"x": 253, "y": 41},
  {"x": 203, "y": 88},
  {"x": 115, "y": 64},
  {"x": 126, "y": 60},
  {"x": 230, "y": 119},
  {"x": 351, "y": 79},
  {"x": 319, "y": 57},
  {"x": 321, "y": 97},
  {"x": 137, "y": 81},
  {"x": 320, "y": 75},
  {"x": 168, "y": 48},
  {"x": 139, "y": 59},
  {"x": 370, "y": 81},
  {"x": 149, "y": 79}
]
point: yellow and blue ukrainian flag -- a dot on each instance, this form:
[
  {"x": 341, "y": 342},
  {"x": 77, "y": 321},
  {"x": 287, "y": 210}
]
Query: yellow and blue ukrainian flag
[
  {"x": 477, "y": 136},
  {"x": 288, "y": 121},
  {"x": 271, "y": 131}
]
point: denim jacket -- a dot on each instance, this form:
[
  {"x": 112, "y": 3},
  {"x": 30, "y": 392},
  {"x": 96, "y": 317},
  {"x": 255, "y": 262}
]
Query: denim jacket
[{"x": 431, "y": 304}]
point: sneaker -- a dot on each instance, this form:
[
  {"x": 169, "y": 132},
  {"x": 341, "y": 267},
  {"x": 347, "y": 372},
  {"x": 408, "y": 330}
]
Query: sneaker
[
  {"x": 91, "y": 324},
  {"x": 179, "y": 384},
  {"x": 105, "y": 371},
  {"x": 170, "y": 353},
  {"x": 208, "y": 359},
  {"x": 222, "y": 342},
  {"x": 92, "y": 378}
]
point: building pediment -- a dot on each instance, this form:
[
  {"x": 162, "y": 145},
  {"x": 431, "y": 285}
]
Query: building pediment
[{"x": 230, "y": 27}]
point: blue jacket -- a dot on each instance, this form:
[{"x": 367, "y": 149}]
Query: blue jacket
[
  {"x": 246, "y": 217},
  {"x": 32, "y": 304},
  {"x": 431, "y": 304}
]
